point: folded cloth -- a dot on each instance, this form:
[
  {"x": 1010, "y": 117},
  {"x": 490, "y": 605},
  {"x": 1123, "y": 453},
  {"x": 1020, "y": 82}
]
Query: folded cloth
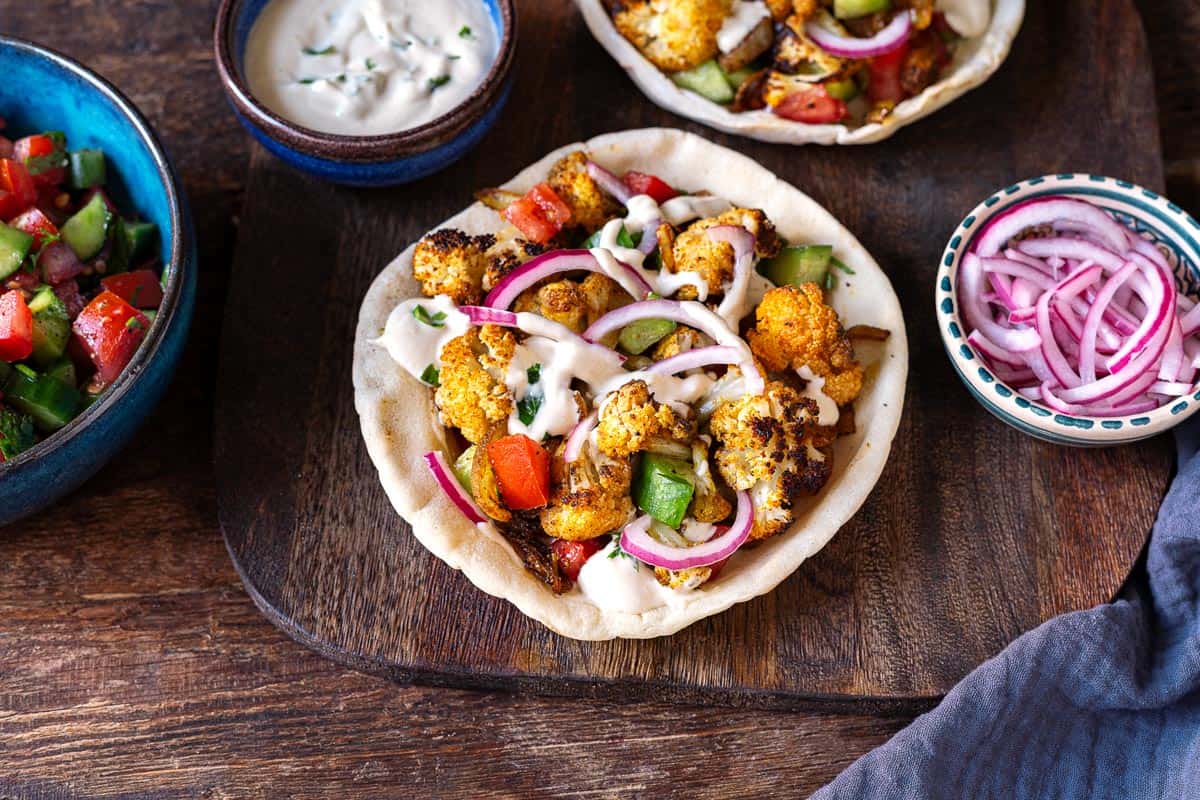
[{"x": 1102, "y": 703}]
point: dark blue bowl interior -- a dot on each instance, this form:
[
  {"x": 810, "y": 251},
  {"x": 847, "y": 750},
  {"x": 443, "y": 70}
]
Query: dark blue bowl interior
[{"x": 65, "y": 102}]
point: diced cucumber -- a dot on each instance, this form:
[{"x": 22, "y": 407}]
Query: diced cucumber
[
  {"x": 662, "y": 488},
  {"x": 85, "y": 169},
  {"x": 797, "y": 265},
  {"x": 140, "y": 238},
  {"x": 706, "y": 80},
  {"x": 14, "y": 246},
  {"x": 849, "y": 9},
  {"x": 51, "y": 327},
  {"x": 462, "y": 467},
  {"x": 16, "y": 433},
  {"x": 739, "y": 76},
  {"x": 50, "y": 402},
  {"x": 842, "y": 90},
  {"x": 63, "y": 370},
  {"x": 86, "y": 231},
  {"x": 637, "y": 337}
]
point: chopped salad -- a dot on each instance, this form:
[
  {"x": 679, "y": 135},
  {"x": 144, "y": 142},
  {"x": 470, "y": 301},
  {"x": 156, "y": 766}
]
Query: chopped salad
[
  {"x": 79, "y": 286},
  {"x": 639, "y": 379}
]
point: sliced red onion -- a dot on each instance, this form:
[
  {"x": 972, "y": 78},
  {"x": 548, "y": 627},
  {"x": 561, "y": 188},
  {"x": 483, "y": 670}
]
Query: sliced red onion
[
  {"x": 695, "y": 359},
  {"x": 742, "y": 241},
  {"x": 536, "y": 325},
  {"x": 578, "y": 436},
  {"x": 1172, "y": 362},
  {"x": 1052, "y": 210},
  {"x": 59, "y": 263},
  {"x": 1133, "y": 391},
  {"x": 482, "y": 315},
  {"x": 1022, "y": 316},
  {"x": 1159, "y": 296},
  {"x": 1170, "y": 388},
  {"x": 1075, "y": 248},
  {"x": 992, "y": 351},
  {"x": 1017, "y": 269},
  {"x": 649, "y": 242},
  {"x": 609, "y": 182},
  {"x": 1025, "y": 293},
  {"x": 505, "y": 293},
  {"x": 1059, "y": 367},
  {"x": 1190, "y": 322},
  {"x": 453, "y": 489},
  {"x": 1003, "y": 291},
  {"x": 970, "y": 278},
  {"x": 637, "y": 541},
  {"x": 892, "y": 37},
  {"x": 687, "y": 312},
  {"x": 1091, "y": 324}
]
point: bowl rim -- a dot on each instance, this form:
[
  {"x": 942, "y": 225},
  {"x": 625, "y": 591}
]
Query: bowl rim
[
  {"x": 1170, "y": 224},
  {"x": 340, "y": 147},
  {"x": 176, "y": 280}
]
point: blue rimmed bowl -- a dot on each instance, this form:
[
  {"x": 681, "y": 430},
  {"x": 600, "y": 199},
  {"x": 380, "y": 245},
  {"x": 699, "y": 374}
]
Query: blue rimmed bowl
[
  {"x": 92, "y": 113},
  {"x": 1156, "y": 219},
  {"x": 386, "y": 160}
]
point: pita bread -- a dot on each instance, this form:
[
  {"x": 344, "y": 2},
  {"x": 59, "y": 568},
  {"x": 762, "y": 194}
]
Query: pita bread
[
  {"x": 399, "y": 423},
  {"x": 974, "y": 62}
]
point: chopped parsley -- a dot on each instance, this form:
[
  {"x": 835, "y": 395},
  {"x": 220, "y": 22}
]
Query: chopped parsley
[
  {"x": 465, "y": 32},
  {"x": 134, "y": 324},
  {"x": 534, "y": 373},
  {"x": 325, "y": 51},
  {"x": 527, "y": 407},
  {"x": 440, "y": 80},
  {"x": 453, "y": 57},
  {"x": 371, "y": 64},
  {"x": 307, "y": 81},
  {"x": 619, "y": 551},
  {"x": 423, "y": 316},
  {"x": 432, "y": 376}
]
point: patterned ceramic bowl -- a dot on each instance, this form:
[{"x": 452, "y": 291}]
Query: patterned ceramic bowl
[
  {"x": 387, "y": 160},
  {"x": 1156, "y": 219},
  {"x": 92, "y": 113}
]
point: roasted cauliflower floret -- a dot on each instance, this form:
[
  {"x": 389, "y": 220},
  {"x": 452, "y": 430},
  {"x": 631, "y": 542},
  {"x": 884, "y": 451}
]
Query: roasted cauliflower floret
[
  {"x": 451, "y": 262},
  {"x": 693, "y": 251},
  {"x": 673, "y": 34},
  {"x": 796, "y": 54},
  {"x": 708, "y": 504},
  {"x": 765, "y": 447},
  {"x": 561, "y": 301},
  {"x": 473, "y": 394},
  {"x": 590, "y": 206},
  {"x": 506, "y": 256},
  {"x": 678, "y": 341},
  {"x": 632, "y": 421},
  {"x": 795, "y": 328},
  {"x": 688, "y": 578},
  {"x": 589, "y": 496}
]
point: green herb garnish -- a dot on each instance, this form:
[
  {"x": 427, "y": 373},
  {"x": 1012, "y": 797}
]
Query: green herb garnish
[
  {"x": 371, "y": 64},
  {"x": 465, "y": 32},
  {"x": 453, "y": 57},
  {"x": 312, "y": 51},
  {"x": 440, "y": 80},
  {"x": 432, "y": 376},
  {"x": 837, "y": 262},
  {"x": 527, "y": 407},
  {"x": 307, "y": 81},
  {"x": 437, "y": 320},
  {"x": 534, "y": 373},
  {"x": 619, "y": 551}
]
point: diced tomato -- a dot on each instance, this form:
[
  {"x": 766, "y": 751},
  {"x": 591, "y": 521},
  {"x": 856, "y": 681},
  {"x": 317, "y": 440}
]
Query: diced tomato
[
  {"x": 39, "y": 146},
  {"x": 16, "y": 327},
  {"x": 642, "y": 183},
  {"x": 37, "y": 225},
  {"x": 17, "y": 191},
  {"x": 884, "y": 73},
  {"x": 110, "y": 330},
  {"x": 716, "y": 568},
  {"x": 572, "y": 555},
  {"x": 140, "y": 288},
  {"x": 522, "y": 468},
  {"x": 540, "y": 214},
  {"x": 814, "y": 106}
]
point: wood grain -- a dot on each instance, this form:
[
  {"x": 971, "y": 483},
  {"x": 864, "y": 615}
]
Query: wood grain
[
  {"x": 132, "y": 635},
  {"x": 975, "y": 534}
]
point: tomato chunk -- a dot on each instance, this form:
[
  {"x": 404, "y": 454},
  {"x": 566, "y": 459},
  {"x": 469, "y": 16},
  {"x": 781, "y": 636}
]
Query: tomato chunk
[
  {"x": 110, "y": 330},
  {"x": 572, "y": 555},
  {"x": 642, "y": 183},
  {"x": 37, "y": 225},
  {"x": 139, "y": 288},
  {"x": 17, "y": 191},
  {"x": 37, "y": 153},
  {"x": 540, "y": 214},
  {"x": 814, "y": 106},
  {"x": 884, "y": 74},
  {"x": 522, "y": 468},
  {"x": 16, "y": 327}
]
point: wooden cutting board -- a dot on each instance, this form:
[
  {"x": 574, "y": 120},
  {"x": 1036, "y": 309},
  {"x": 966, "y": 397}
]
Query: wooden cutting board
[{"x": 974, "y": 534}]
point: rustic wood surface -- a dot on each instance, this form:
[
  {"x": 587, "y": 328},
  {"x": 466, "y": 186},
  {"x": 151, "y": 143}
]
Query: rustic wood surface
[
  {"x": 975, "y": 533},
  {"x": 134, "y": 663}
]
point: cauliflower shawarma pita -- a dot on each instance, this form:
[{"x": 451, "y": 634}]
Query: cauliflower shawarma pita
[{"x": 632, "y": 383}]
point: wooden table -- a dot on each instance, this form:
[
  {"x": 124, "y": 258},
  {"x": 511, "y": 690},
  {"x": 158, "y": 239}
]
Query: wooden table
[{"x": 135, "y": 666}]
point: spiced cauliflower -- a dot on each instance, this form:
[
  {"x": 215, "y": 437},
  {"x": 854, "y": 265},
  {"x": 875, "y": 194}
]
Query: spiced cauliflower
[
  {"x": 693, "y": 251},
  {"x": 589, "y": 496},
  {"x": 673, "y": 35},
  {"x": 590, "y": 206},
  {"x": 632, "y": 421},
  {"x": 451, "y": 262},
  {"x": 472, "y": 395}
]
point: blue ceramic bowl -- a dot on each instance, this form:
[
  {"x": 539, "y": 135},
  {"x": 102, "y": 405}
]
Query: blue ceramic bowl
[
  {"x": 386, "y": 160},
  {"x": 1156, "y": 219},
  {"x": 92, "y": 113}
]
